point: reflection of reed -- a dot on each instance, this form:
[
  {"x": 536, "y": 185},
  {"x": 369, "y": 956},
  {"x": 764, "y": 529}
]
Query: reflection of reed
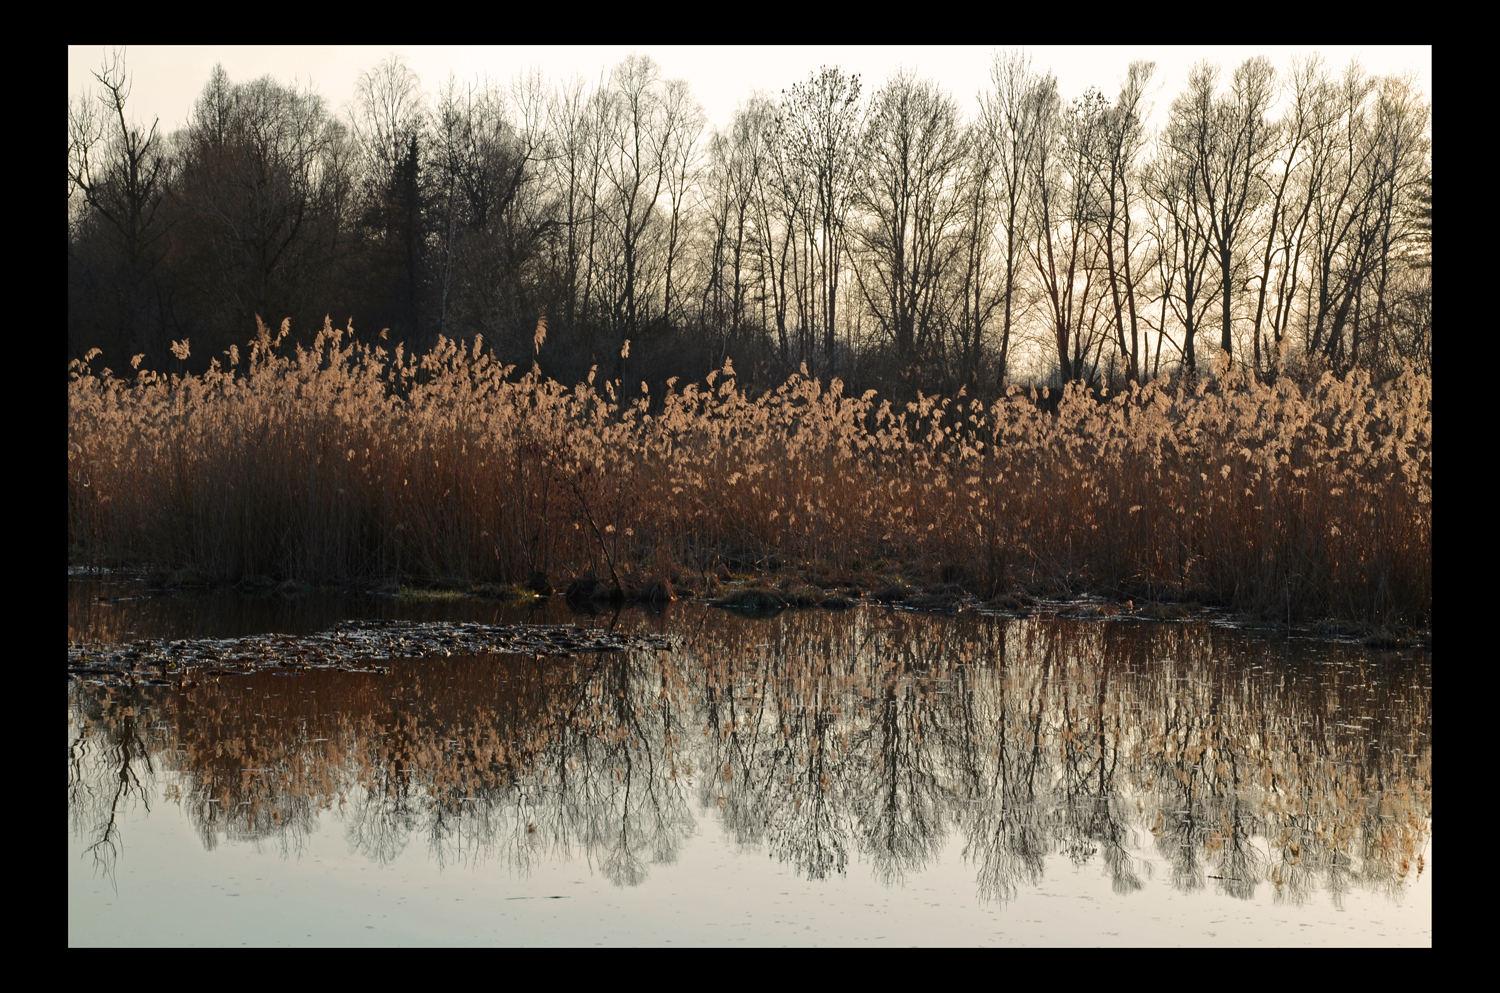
[{"x": 813, "y": 736}]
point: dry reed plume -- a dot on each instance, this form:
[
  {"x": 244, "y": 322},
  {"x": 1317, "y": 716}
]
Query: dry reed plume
[{"x": 348, "y": 463}]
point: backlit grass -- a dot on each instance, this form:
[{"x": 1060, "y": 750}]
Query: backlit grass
[{"x": 347, "y": 462}]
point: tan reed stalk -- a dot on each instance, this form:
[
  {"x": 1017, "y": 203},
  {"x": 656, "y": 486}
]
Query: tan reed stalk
[{"x": 351, "y": 463}]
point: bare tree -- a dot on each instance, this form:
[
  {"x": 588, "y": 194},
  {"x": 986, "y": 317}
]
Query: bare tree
[
  {"x": 1231, "y": 139},
  {"x": 1401, "y": 168},
  {"x": 120, "y": 172},
  {"x": 389, "y": 120},
  {"x": 1114, "y": 139},
  {"x": 1294, "y": 183},
  {"x": 1010, "y": 117},
  {"x": 575, "y": 123},
  {"x": 1342, "y": 232},
  {"x": 1182, "y": 249},
  {"x": 973, "y": 282},
  {"x": 388, "y": 110},
  {"x": 910, "y": 199},
  {"x": 640, "y": 130},
  {"x": 739, "y": 158},
  {"x": 684, "y": 121},
  {"x": 1065, "y": 245},
  {"x": 485, "y": 152},
  {"x": 818, "y": 132},
  {"x": 264, "y": 170},
  {"x": 783, "y": 203}
]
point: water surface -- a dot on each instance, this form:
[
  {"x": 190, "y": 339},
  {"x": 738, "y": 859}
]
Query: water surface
[{"x": 874, "y": 776}]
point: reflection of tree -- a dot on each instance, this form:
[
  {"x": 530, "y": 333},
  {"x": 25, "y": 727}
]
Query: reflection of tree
[
  {"x": 1007, "y": 834},
  {"x": 773, "y": 750},
  {"x": 799, "y": 794},
  {"x": 1092, "y": 733},
  {"x": 818, "y": 737},
  {"x": 622, "y": 737},
  {"x": 380, "y": 823},
  {"x": 899, "y": 811},
  {"x": 104, "y": 764}
]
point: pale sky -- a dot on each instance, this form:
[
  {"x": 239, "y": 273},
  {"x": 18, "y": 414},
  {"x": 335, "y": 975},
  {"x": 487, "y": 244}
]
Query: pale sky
[{"x": 167, "y": 79}]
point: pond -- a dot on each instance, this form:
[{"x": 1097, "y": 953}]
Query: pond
[{"x": 873, "y": 776}]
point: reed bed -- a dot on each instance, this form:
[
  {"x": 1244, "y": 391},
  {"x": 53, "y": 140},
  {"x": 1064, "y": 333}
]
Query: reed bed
[{"x": 347, "y": 462}]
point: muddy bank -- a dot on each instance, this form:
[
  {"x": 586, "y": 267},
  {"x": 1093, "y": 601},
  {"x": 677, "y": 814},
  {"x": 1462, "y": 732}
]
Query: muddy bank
[
  {"x": 355, "y": 646},
  {"x": 748, "y": 591}
]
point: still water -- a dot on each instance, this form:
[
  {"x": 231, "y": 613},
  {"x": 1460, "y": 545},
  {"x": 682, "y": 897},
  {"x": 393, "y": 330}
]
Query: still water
[{"x": 869, "y": 777}]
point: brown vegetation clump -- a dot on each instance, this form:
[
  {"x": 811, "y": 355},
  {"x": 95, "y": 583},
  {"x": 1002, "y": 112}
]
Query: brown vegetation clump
[
  {"x": 802, "y": 596},
  {"x": 346, "y": 462}
]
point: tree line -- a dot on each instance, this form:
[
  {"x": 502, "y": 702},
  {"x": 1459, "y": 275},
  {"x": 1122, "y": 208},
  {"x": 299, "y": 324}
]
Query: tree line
[{"x": 885, "y": 237}]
